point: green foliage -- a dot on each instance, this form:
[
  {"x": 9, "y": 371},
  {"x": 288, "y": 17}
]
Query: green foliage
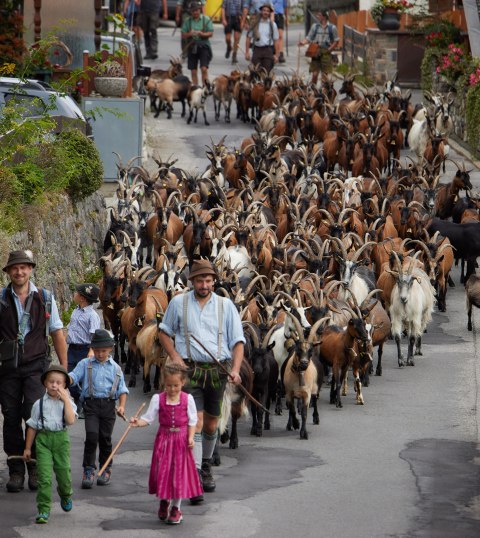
[
  {"x": 31, "y": 179},
  {"x": 430, "y": 60},
  {"x": 67, "y": 314},
  {"x": 473, "y": 117},
  {"x": 76, "y": 159},
  {"x": 10, "y": 188}
]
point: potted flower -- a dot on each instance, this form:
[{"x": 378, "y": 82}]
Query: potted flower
[
  {"x": 110, "y": 79},
  {"x": 386, "y": 13}
]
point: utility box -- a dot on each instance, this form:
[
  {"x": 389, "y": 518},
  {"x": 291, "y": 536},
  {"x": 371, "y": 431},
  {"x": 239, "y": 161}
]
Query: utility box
[{"x": 117, "y": 125}]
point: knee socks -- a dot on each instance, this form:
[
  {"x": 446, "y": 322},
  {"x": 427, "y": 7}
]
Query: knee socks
[
  {"x": 208, "y": 442},
  {"x": 197, "y": 450}
]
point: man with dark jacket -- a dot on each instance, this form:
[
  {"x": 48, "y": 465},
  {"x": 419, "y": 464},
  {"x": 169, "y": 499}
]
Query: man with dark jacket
[{"x": 28, "y": 315}]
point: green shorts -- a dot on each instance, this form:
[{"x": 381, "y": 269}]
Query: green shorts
[{"x": 206, "y": 383}]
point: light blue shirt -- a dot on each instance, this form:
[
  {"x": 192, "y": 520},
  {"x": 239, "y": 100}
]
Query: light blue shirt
[
  {"x": 53, "y": 410},
  {"x": 279, "y": 6},
  {"x": 267, "y": 32},
  {"x": 83, "y": 324},
  {"x": 203, "y": 323},
  {"x": 54, "y": 322},
  {"x": 103, "y": 376}
]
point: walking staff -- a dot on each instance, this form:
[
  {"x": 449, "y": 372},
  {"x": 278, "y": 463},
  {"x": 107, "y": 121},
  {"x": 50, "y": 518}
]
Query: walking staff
[{"x": 241, "y": 387}]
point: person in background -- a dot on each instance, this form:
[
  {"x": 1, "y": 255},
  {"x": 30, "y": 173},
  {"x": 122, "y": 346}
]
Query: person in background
[
  {"x": 149, "y": 17},
  {"x": 83, "y": 324},
  {"x": 182, "y": 12},
  {"x": 131, "y": 13},
  {"x": 51, "y": 415},
  {"x": 197, "y": 30},
  {"x": 173, "y": 475},
  {"x": 28, "y": 315},
  {"x": 325, "y": 34},
  {"x": 102, "y": 384},
  {"x": 281, "y": 19},
  {"x": 264, "y": 36},
  {"x": 251, "y": 13},
  {"x": 232, "y": 22}
]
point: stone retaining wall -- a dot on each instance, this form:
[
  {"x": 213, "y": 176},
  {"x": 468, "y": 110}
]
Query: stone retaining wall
[{"x": 66, "y": 241}]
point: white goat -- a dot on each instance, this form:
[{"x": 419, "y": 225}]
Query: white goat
[
  {"x": 411, "y": 307},
  {"x": 197, "y": 97},
  {"x": 418, "y": 137}
]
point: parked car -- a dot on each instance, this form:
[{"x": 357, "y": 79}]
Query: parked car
[{"x": 36, "y": 98}]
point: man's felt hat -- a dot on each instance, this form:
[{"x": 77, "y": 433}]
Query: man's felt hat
[
  {"x": 195, "y": 5},
  {"x": 266, "y": 4},
  {"x": 102, "y": 338},
  {"x": 202, "y": 267},
  {"x": 89, "y": 291},
  {"x": 17, "y": 257},
  {"x": 56, "y": 368}
]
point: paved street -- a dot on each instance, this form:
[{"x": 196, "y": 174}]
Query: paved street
[{"x": 403, "y": 465}]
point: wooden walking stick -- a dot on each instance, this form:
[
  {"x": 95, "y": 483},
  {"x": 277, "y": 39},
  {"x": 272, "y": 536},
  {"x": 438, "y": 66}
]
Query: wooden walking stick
[
  {"x": 241, "y": 387},
  {"x": 117, "y": 446}
]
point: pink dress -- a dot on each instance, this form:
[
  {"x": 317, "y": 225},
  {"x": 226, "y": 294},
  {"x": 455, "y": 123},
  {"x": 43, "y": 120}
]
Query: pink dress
[{"x": 173, "y": 474}]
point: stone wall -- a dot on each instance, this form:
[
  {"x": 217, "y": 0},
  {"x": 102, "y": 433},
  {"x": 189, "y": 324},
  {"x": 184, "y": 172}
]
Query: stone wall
[
  {"x": 66, "y": 241},
  {"x": 381, "y": 55}
]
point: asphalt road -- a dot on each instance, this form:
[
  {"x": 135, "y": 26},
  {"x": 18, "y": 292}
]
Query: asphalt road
[{"x": 404, "y": 465}]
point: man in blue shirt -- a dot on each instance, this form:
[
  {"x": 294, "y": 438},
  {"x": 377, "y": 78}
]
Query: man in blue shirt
[
  {"x": 232, "y": 22},
  {"x": 264, "y": 36},
  {"x": 28, "y": 316},
  {"x": 281, "y": 20},
  {"x": 215, "y": 321}
]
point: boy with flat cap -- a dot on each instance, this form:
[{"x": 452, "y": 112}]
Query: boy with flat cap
[
  {"x": 215, "y": 321},
  {"x": 102, "y": 383},
  {"x": 48, "y": 423},
  {"x": 83, "y": 324}
]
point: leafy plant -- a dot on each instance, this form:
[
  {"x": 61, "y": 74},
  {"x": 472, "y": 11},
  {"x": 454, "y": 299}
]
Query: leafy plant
[
  {"x": 379, "y": 7},
  {"x": 110, "y": 68},
  {"x": 473, "y": 117},
  {"x": 77, "y": 159}
]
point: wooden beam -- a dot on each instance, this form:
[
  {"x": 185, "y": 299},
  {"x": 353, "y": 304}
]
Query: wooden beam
[
  {"x": 37, "y": 20},
  {"x": 98, "y": 24}
]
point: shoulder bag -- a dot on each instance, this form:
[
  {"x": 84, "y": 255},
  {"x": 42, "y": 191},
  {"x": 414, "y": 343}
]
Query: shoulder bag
[{"x": 313, "y": 50}]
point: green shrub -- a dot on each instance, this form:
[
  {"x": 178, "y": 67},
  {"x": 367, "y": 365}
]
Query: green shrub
[
  {"x": 76, "y": 159},
  {"x": 473, "y": 117},
  {"x": 32, "y": 181}
]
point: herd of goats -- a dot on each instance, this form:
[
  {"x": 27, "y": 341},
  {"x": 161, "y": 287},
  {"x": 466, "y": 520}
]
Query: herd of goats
[{"x": 327, "y": 244}]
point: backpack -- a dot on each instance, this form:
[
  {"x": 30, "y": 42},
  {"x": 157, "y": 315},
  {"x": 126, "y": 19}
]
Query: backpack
[{"x": 329, "y": 29}]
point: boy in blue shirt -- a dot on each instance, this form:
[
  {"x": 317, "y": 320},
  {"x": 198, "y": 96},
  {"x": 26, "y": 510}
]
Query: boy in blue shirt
[
  {"x": 83, "y": 324},
  {"x": 102, "y": 384},
  {"x": 48, "y": 423}
]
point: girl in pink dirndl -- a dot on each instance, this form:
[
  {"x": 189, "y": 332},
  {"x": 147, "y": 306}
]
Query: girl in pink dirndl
[{"x": 173, "y": 475}]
